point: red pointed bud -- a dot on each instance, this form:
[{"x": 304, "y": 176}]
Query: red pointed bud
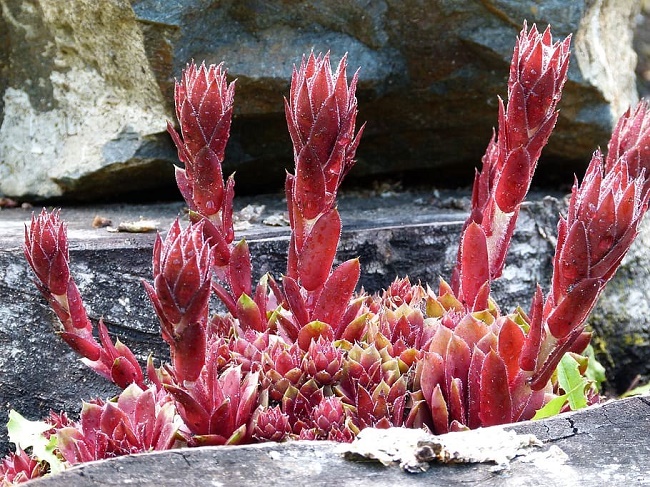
[
  {"x": 182, "y": 274},
  {"x": 321, "y": 114},
  {"x": 46, "y": 250},
  {"x": 329, "y": 414},
  {"x": 271, "y": 424},
  {"x": 204, "y": 103},
  {"x": 323, "y": 361}
]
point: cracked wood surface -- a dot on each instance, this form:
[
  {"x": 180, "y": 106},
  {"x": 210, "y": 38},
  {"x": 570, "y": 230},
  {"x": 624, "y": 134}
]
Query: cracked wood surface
[{"x": 602, "y": 445}]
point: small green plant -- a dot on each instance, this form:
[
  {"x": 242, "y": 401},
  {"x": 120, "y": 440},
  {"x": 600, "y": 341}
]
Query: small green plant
[{"x": 310, "y": 357}]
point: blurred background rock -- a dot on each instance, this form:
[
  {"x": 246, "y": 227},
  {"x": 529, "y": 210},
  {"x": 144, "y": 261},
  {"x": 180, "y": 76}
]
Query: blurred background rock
[{"x": 86, "y": 86}]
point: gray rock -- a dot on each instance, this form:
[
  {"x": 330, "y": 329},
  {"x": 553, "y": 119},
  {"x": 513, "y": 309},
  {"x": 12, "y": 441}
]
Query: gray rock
[
  {"x": 642, "y": 48},
  {"x": 87, "y": 86}
]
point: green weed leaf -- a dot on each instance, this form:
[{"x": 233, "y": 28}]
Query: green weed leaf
[
  {"x": 637, "y": 391},
  {"x": 574, "y": 385},
  {"x": 29, "y": 434},
  {"x": 595, "y": 370},
  {"x": 552, "y": 408},
  {"x": 572, "y": 382}
]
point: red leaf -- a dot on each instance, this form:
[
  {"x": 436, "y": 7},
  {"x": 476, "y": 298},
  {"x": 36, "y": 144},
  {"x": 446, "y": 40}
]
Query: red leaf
[
  {"x": 496, "y": 405},
  {"x": 540, "y": 103},
  {"x": 208, "y": 182},
  {"x": 319, "y": 249},
  {"x": 217, "y": 239},
  {"x": 289, "y": 328},
  {"x": 456, "y": 401},
  {"x": 170, "y": 313},
  {"x": 350, "y": 315},
  {"x": 530, "y": 349},
  {"x": 295, "y": 300},
  {"x": 574, "y": 308},
  {"x": 514, "y": 180},
  {"x": 471, "y": 330},
  {"x": 184, "y": 186},
  {"x": 482, "y": 297},
  {"x": 475, "y": 267},
  {"x": 248, "y": 314},
  {"x": 123, "y": 372},
  {"x": 225, "y": 297},
  {"x": 626, "y": 209},
  {"x": 365, "y": 406},
  {"x": 457, "y": 358},
  {"x": 520, "y": 393},
  {"x": 432, "y": 373},
  {"x": 240, "y": 269},
  {"x": 516, "y": 129},
  {"x": 337, "y": 292},
  {"x": 511, "y": 343},
  {"x": 581, "y": 343},
  {"x": 608, "y": 265},
  {"x": 188, "y": 352},
  {"x": 193, "y": 413},
  {"x": 602, "y": 228},
  {"x": 573, "y": 262},
  {"x": 324, "y": 130},
  {"x": 439, "y": 411},
  {"x": 312, "y": 331},
  {"x": 474, "y": 388},
  {"x": 85, "y": 347},
  {"x": 440, "y": 341},
  {"x": 226, "y": 211},
  {"x": 309, "y": 188},
  {"x": 355, "y": 329}
]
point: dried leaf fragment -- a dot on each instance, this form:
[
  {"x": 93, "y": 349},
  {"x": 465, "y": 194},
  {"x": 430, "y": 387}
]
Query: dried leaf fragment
[
  {"x": 276, "y": 220},
  {"x": 412, "y": 449},
  {"x": 140, "y": 226},
  {"x": 101, "y": 222}
]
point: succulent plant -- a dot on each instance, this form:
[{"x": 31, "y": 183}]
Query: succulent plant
[
  {"x": 46, "y": 251},
  {"x": 311, "y": 357},
  {"x": 136, "y": 421},
  {"x": 182, "y": 268},
  {"x": 19, "y": 467}
]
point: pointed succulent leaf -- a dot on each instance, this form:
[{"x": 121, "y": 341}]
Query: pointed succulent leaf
[
  {"x": 194, "y": 414},
  {"x": 295, "y": 300},
  {"x": 439, "y": 411},
  {"x": 337, "y": 292},
  {"x": 573, "y": 310},
  {"x": 474, "y": 264},
  {"x": 496, "y": 404},
  {"x": 511, "y": 342},
  {"x": 513, "y": 182},
  {"x": 312, "y": 331},
  {"x": 240, "y": 269},
  {"x": 318, "y": 251},
  {"x": 474, "y": 388},
  {"x": 248, "y": 314}
]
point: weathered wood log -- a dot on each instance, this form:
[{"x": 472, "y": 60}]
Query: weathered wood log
[{"x": 603, "y": 445}]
